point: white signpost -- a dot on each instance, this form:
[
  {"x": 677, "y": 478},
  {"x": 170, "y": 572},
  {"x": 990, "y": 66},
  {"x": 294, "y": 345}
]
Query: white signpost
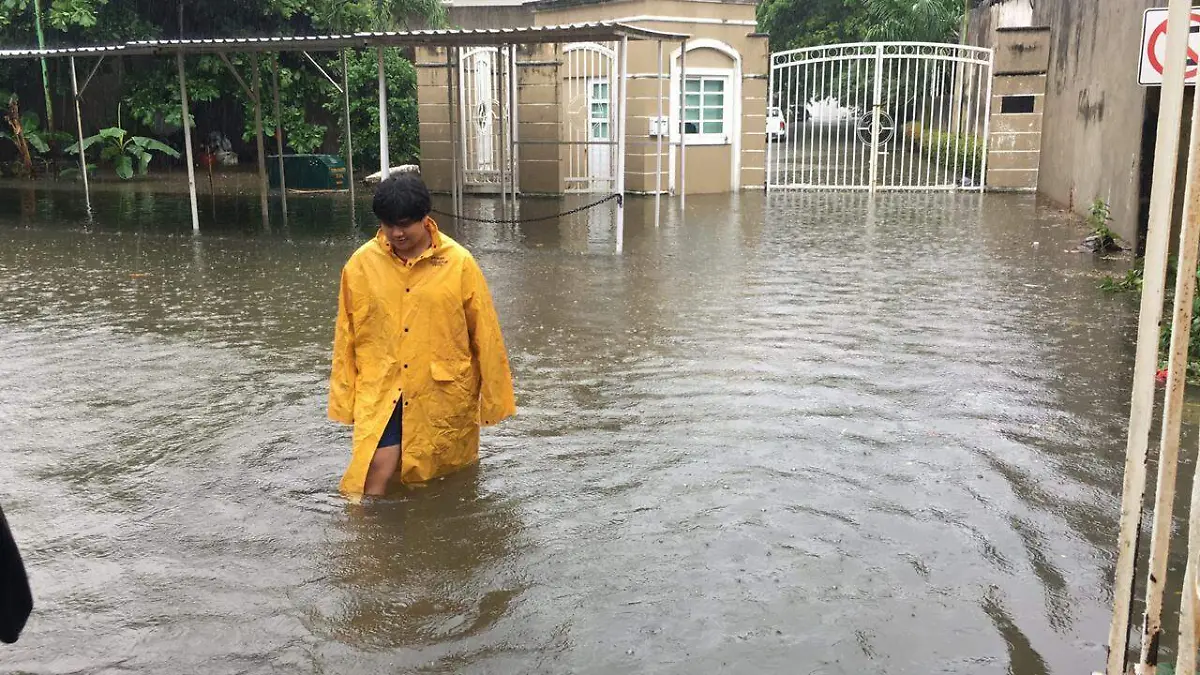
[{"x": 1154, "y": 47}]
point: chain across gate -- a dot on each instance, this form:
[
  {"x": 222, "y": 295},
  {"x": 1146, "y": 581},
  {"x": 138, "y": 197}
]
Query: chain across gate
[{"x": 879, "y": 115}]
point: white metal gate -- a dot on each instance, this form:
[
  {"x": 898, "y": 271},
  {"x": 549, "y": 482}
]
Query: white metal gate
[
  {"x": 881, "y": 115},
  {"x": 589, "y": 72},
  {"x": 479, "y": 79}
]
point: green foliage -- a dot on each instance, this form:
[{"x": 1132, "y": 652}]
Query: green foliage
[
  {"x": 1129, "y": 283},
  {"x": 404, "y": 141},
  {"x": 1102, "y": 239},
  {"x": 964, "y": 151},
  {"x": 1164, "y": 337},
  {"x": 150, "y": 87},
  {"x": 125, "y": 152},
  {"x": 795, "y": 24},
  {"x": 914, "y": 20},
  {"x": 38, "y": 139}
]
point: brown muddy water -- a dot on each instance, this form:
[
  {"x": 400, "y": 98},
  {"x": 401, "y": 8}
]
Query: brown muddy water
[{"x": 796, "y": 433}]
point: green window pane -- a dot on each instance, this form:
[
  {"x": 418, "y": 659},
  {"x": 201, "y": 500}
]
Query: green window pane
[
  {"x": 600, "y": 90},
  {"x": 691, "y": 115},
  {"x": 714, "y": 85},
  {"x": 692, "y": 100},
  {"x": 714, "y": 100},
  {"x": 713, "y": 114},
  {"x": 599, "y": 110},
  {"x": 692, "y": 85},
  {"x": 714, "y": 128}
]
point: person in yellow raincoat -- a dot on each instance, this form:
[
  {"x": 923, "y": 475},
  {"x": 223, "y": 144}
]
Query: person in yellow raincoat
[{"x": 418, "y": 359}]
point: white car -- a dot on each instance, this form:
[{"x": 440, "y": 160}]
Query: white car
[{"x": 776, "y": 125}]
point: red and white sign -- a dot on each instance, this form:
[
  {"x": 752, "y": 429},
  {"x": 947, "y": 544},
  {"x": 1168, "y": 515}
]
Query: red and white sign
[{"x": 1154, "y": 46}]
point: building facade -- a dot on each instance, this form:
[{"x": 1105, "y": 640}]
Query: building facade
[{"x": 566, "y": 100}]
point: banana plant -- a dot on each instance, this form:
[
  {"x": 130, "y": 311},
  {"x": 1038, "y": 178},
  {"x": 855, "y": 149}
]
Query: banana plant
[{"x": 125, "y": 152}]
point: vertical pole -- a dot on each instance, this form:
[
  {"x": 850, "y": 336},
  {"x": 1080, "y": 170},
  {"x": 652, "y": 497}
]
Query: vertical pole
[
  {"x": 187, "y": 141},
  {"x": 279, "y": 135},
  {"x": 513, "y": 117},
  {"x": 451, "y": 59},
  {"x": 987, "y": 126},
  {"x": 1168, "y": 454},
  {"x": 349, "y": 139},
  {"x": 875, "y": 107},
  {"x": 498, "y": 66},
  {"x": 41, "y": 38},
  {"x": 1145, "y": 362},
  {"x": 384, "y": 160},
  {"x": 658, "y": 123},
  {"x": 682, "y": 125},
  {"x": 87, "y": 193},
  {"x": 622, "y": 113},
  {"x": 770, "y": 95},
  {"x": 264, "y": 186}
]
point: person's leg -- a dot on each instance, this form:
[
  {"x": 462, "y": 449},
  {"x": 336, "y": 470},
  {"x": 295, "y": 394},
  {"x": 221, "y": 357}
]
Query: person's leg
[
  {"x": 383, "y": 465},
  {"x": 386, "y": 458}
]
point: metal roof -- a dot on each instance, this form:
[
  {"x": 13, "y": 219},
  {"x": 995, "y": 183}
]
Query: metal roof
[{"x": 602, "y": 31}]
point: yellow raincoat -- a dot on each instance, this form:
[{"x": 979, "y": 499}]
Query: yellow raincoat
[{"x": 425, "y": 329}]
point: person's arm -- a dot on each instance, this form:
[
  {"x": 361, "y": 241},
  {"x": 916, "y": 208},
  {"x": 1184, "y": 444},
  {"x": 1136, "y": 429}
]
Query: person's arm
[
  {"x": 345, "y": 371},
  {"x": 496, "y": 400},
  {"x": 17, "y": 601}
]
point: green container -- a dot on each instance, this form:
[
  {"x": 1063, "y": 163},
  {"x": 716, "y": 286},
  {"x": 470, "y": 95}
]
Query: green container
[{"x": 308, "y": 172}]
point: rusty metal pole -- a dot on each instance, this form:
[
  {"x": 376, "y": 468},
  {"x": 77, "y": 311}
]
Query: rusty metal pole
[
  {"x": 1141, "y": 407},
  {"x": 1168, "y": 455}
]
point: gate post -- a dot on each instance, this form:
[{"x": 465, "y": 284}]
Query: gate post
[
  {"x": 770, "y": 96},
  {"x": 875, "y": 115}
]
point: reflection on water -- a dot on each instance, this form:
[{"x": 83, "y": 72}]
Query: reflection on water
[{"x": 790, "y": 433}]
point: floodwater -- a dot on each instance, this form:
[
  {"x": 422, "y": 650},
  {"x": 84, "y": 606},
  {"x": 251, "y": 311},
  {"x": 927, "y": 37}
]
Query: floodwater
[{"x": 796, "y": 433}]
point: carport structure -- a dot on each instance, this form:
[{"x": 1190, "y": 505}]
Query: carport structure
[{"x": 504, "y": 40}]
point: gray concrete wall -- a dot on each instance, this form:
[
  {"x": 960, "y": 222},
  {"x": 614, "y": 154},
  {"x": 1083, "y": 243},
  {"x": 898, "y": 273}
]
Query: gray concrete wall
[{"x": 1094, "y": 108}]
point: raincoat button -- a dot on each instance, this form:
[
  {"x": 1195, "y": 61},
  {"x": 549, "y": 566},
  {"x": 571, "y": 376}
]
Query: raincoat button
[
  {"x": 407, "y": 290},
  {"x": 406, "y": 365},
  {"x": 405, "y": 330}
]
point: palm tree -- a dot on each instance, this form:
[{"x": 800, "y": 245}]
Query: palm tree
[{"x": 915, "y": 20}]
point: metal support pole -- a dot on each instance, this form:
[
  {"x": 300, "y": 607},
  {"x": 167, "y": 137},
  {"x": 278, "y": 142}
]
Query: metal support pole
[
  {"x": 770, "y": 96},
  {"x": 622, "y": 112},
  {"x": 876, "y": 110},
  {"x": 264, "y": 185},
  {"x": 499, "y": 79},
  {"x": 1145, "y": 362},
  {"x": 349, "y": 138},
  {"x": 658, "y": 142},
  {"x": 451, "y": 68},
  {"x": 513, "y": 128},
  {"x": 279, "y": 136},
  {"x": 187, "y": 141},
  {"x": 87, "y": 193},
  {"x": 384, "y": 160},
  {"x": 1168, "y": 454},
  {"x": 683, "y": 125}
]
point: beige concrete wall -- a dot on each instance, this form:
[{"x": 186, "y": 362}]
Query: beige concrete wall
[
  {"x": 433, "y": 113},
  {"x": 1014, "y": 150}
]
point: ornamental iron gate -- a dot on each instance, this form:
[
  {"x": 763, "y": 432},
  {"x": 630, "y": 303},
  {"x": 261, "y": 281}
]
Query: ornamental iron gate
[{"x": 881, "y": 115}]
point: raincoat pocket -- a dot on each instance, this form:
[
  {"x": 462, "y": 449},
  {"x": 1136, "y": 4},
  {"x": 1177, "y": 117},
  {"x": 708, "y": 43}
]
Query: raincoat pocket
[
  {"x": 455, "y": 401},
  {"x": 450, "y": 371}
]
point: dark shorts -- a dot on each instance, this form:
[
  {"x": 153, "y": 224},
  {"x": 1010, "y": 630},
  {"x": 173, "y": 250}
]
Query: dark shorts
[{"x": 391, "y": 433}]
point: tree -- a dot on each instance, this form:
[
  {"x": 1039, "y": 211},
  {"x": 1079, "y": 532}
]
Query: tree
[
  {"x": 150, "y": 89},
  {"x": 914, "y": 20},
  {"x": 794, "y": 24}
]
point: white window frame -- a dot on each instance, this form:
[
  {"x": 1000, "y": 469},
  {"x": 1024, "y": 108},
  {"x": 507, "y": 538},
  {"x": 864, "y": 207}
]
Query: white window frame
[{"x": 701, "y": 74}]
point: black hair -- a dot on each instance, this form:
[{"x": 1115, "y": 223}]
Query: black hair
[{"x": 402, "y": 198}]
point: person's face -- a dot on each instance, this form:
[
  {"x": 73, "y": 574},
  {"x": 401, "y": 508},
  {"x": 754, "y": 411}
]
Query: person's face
[{"x": 408, "y": 238}]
